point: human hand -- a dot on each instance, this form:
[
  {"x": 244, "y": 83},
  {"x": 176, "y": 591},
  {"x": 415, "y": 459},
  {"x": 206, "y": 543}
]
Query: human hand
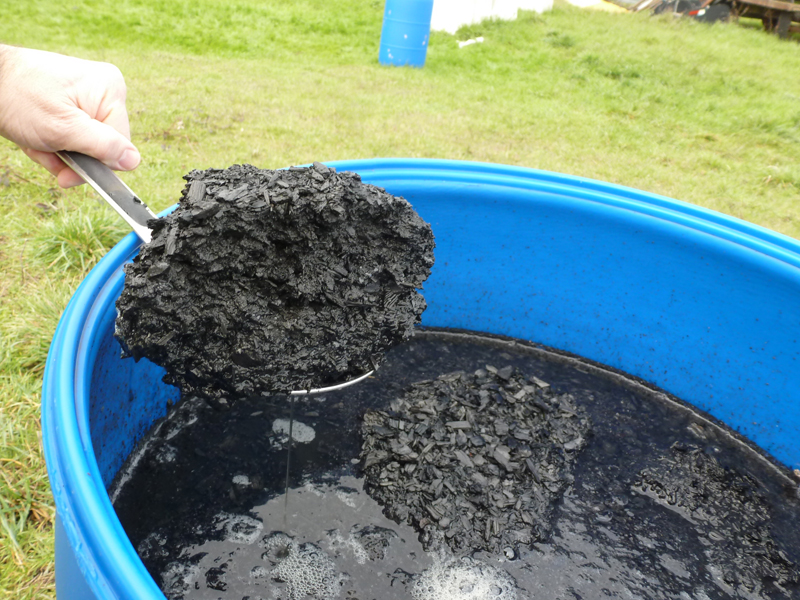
[{"x": 51, "y": 102}]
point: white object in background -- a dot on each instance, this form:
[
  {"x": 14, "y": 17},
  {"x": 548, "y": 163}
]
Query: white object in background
[
  {"x": 481, "y": 9},
  {"x": 470, "y": 42},
  {"x": 446, "y": 16},
  {"x": 449, "y": 15},
  {"x": 539, "y": 6},
  {"x": 583, "y": 3},
  {"x": 505, "y": 9}
]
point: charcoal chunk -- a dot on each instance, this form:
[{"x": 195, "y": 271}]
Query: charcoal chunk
[
  {"x": 487, "y": 492},
  {"x": 694, "y": 484},
  {"x": 269, "y": 283}
]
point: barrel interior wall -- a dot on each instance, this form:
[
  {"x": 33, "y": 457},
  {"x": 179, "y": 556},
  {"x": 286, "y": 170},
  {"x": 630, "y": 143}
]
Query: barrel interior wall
[{"x": 699, "y": 315}]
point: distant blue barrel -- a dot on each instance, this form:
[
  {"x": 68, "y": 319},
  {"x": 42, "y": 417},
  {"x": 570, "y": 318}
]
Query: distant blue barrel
[{"x": 405, "y": 33}]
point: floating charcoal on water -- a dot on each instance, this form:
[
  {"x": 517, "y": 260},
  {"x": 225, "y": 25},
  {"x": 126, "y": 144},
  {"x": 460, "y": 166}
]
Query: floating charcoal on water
[
  {"x": 684, "y": 481},
  {"x": 268, "y": 281},
  {"x": 480, "y": 459},
  {"x": 665, "y": 504}
]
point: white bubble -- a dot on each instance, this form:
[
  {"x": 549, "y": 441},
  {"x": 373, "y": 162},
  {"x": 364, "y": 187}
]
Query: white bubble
[
  {"x": 242, "y": 480},
  {"x": 464, "y": 579},
  {"x": 178, "y": 578},
  {"x": 301, "y": 432},
  {"x": 239, "y": 529},
  {"x": 305, "y": 568}
]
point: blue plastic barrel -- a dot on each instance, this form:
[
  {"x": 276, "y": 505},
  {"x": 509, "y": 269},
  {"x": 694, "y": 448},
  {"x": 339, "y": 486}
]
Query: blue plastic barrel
[
  {"x": 405, "y": 33},
  {"x": 700, "y": 304}
]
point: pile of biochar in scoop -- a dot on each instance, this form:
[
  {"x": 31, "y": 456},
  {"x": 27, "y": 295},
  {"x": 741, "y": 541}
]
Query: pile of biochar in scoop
[
  {"x": 269, "y": 281},
  {"x": 477, "y": 460}
]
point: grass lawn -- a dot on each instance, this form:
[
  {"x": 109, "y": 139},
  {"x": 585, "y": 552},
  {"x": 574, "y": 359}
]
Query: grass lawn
[{"x": 705, "y": 114}]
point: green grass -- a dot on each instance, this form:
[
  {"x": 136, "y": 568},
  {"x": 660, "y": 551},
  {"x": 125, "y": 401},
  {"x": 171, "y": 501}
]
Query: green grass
[{"x": 709, "y": 115}]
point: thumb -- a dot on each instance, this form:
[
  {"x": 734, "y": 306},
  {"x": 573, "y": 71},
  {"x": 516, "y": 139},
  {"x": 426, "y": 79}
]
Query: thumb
[{"x": 106, "y": 144}]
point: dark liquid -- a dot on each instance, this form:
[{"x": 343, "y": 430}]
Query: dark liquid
[{"x": 203, "y": 500}]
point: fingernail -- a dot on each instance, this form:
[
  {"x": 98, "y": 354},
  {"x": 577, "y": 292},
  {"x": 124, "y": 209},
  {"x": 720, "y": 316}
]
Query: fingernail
[{"x": 130, "y": 160}]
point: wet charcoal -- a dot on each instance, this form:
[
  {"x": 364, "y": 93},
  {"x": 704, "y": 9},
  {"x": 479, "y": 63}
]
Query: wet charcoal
[
  {"x": 215, "y": 578},
  {"x": 268, "y": 281},
  {"x": 469, "y": 467},
  {"x": 375, "y": 540},
  {"x": 729, "y": 510}
]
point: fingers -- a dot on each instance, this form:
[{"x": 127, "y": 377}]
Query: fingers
[
  {"x": 47, "y": 159},
  {"x": 116, "y": 116},
  {"x": 109, "y": 117},
  {"x": 103, "y": 142},
  {"x": 66, "y": 177},
  {"x": 51, "y": 102},
  {"x": 88, "y": 115}
]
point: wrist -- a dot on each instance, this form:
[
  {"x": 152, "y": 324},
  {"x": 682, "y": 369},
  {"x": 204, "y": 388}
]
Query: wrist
[
  {"x": 5, "y": 58},
  {"x": 7, "y": 63}
]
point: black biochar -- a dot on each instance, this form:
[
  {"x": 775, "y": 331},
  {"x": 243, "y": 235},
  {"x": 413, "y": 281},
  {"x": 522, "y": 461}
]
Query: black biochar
[
  {"x": 729, "y": 510},
  {"x": 477, "y": 459},
  {"x": 267, "y": 281},
  {"x": 656, "y": 502}
]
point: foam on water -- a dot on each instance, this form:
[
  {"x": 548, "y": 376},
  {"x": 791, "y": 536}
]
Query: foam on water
[
  {"x": 305, "y": 568},
  {"x": 177, "y": 578},
  {"x": 338, "y": 541},
  {"x": 259, "y": 572},
  {"x": 239, "y": 529},
  {"x": 464, "y": 579},
  {"x": 347, "y": 495},
  {"x": 152, "y": 546},
  {"x": 166, "y": 454}
]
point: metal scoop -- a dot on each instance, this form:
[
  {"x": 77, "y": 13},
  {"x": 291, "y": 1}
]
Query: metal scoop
[
  {"x": 113, "y": 190},
  {"x": 136, "y": 213}
]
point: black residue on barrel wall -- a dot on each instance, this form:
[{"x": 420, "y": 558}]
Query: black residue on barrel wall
[
  {"x": 268, "y": 281},
  {"x": 478, "y": 459}
]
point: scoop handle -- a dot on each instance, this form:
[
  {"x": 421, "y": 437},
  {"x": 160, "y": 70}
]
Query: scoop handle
[{"x": 113, "y": 190}]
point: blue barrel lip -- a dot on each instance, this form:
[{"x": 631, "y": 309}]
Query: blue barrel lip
[
  {"x": 105, "y": 556},
  {"x": 730, "y": 228},
  {"x": 680, "y": 212},
  {"x": 107, "y": 559}
]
